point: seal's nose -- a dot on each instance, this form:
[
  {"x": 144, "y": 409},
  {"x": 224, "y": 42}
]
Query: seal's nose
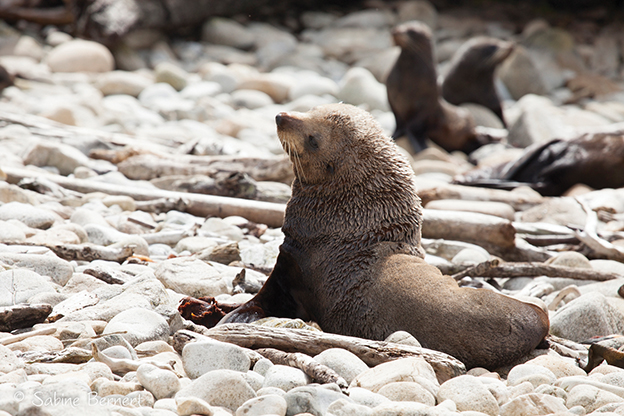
[{"x": 279, "y": 119}]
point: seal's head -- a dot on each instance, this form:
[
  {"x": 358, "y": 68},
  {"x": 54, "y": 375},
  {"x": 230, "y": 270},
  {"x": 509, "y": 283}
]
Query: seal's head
[
  {"x": 335, "y": 143},
  {"x": 481, "y": 54},
  {"x": 412, "y": 34}
]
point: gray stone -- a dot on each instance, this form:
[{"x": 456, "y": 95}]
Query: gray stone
[
  {"x": 407, "y": 391},
  {"x": 533, "y": 404},
  {"x": 80, "y": 56},
  {"x": 204, "y": 356},
  {"x": 271, "y": 404},
  {"x": 224, "y": 388},
  {"x": 262, "y": 366},
  {"x": 520, "y": 74},
  {"x": 587, "y": 316},
  {"x": 366, "y": 397},
  {"x": 161, "y": 383},
  {"x": 122, "y": 82},
  {"x": 11, "y": 233},
  {"x": 284, "y": 377},
  {"x": 252, "y": 99},
  {"x": 191, "y": 277},
  {"x": 187, "y": 406},
  {"x": 404, "y": 369},
  {"x": 400, "y": 408},
  {"x": 312, "y": 399},
  {"x": 403, "y": 337},
  {"x": 590, "y": 397},
  {"x": 31, "y": 216},
  {"x": 227, "y": 32},
  {"x": 141, "y": 325},
  {"x": 171, "y": 74},
  {"x": 343, "y": 362},
  {"x": 60, "y": 271},
  {"x": 8, "y": 360},
  {"x": 421, "y": 10},
  {"x": 561, "y": 211},
  {"x": 342, "y": 407},
  {"x": 570, "y": 259},
  {"x": 533, "y": 373},
  {"x": 469, "y": 393},
  {"x": 19, "y": 285},
  {"x": 312, "y": 84},
  {"x": 359, "y": 87}
]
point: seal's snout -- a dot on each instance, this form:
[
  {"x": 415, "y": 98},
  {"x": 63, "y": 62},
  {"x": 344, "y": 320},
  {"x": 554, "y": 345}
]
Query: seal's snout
[{"x": 279, "y": 119}]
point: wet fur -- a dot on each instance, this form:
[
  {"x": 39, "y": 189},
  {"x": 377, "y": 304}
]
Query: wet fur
[{"x": 351, "y": 258}]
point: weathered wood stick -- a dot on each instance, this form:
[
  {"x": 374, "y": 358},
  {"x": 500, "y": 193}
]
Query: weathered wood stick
[
  {"x": 534, "y": 270},
  {"x": 20, "y": 337},
  {"x": 23, "y": 315},
  {"x": 468, "y": 226},
  {"x": 317, "y": 371},
  {"x": 517, "y": 199},
  {"x": 313, "y": 343},
  {"x": 261, "y": 212}
]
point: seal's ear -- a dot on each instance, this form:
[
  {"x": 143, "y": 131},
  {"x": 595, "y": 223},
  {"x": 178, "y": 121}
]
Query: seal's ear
[{"x": 330, "y": 167}]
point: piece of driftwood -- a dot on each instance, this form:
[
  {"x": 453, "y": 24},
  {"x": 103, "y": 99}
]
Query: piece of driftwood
[
  {"x": 518, "y": 199},
  {"x": 315, "y": 342},
  {"x": 268, "y": 213},
  {"x": 599, "y": 353},
  {"x": 124, "y": 365},
  {"x": 110, "y": 276},
  {"x": 589, "y": 236},
  {"x": 318, "y": 372},
  {"x": 487, "y": 269},
  {"x": 469, "y": 227},
  {"x": 23, "y": 315},
  {"x": 74, "y": 303},
  {"x": 90, "y": 252},
  {"x": 150, "y": 166},
  {"x": 12, "y": 339},
  {"x": 70, "y": 355}
]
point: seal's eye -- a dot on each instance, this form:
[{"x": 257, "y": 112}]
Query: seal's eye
[{"x": 312, "y": 142}]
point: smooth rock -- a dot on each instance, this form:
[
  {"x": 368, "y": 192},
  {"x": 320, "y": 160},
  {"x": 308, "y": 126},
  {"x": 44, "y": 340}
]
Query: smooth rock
[
  {"x": 533, "y": 404},
  {"x": 8, "y": 360},
  {"x": 43, "y": 343},
  {"x": 187, "y": 406},
  {"x": 284, "y": 377},
  {"x": 343, "y": 362},
  {"x": 19, "y": 285},
  {"x": 469, "y": 393},
  {"x": 228, "y": 32},
  {"x": 312, "y": 399},
  {"x": 590, "y": 397},
  {"x": 122, "y": 82},
  {"x": 60, "y": 271},
  {"x": 31, "y": 216},
  {"x": 251, "y": 99},
  {"x": 224, "y": 388},
  {"x": 342, "y": 407},
  {"x": 570, "y": 259},
  {"x": 191, "y": 277},
  {"x": 526, "y": 372},
  {"x": 560, "y": 367},
  {"x": 366, "y": 397},
  {"x": 404, "y": 369},
  {"x": 498, "y": 209},
  {"x": 359, "y": 87},
  {"x": 271, "y": 404},
  {"x": 161, "y": 383},
  {"x": 406, "y": 391},
  {"x": 208, "y": 355},
  {"x": 401, "y": 408},
  {"x": 141, "y": 325},
  {"x": 587, "y": 316},
  {"x": 171, "y": 74},
  {"x": 403, "y": 337},
  {"x": 520, "y": 74},
  {"x": 11, "y": 233},
  {"x": 80, "y": 56}
]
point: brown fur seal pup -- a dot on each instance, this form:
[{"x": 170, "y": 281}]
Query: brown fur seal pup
[
  {"x": 415, "y": 100},
  {"x": 352, "y": 260},
  {"x": 551, "y": 168},
  {"x": 470, "y": 78}
]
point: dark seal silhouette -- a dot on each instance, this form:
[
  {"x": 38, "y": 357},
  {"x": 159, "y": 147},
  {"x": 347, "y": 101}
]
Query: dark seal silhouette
[
  {"x": 470, "y": 78},
  {"x": 551, "y": 168},
  {"x": 352, "y": 260},
  {"x": 415, "y": 100}
]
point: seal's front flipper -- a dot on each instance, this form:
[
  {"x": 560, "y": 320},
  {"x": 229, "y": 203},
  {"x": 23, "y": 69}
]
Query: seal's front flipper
[{"x": 275, "y": 298}]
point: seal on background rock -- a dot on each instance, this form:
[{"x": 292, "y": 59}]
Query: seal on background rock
[
  {"x": 470, "y": 78},
  {"x": 551, "y": 168},
  {"x": 352, "y": 260},
  {"x": 415, "y": 100}
]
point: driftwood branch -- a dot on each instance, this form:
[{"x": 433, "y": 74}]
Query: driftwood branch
[
  {"x": 534, "y": 270},
  {"x": 519, "y": 200},
  {"x": 268, "y": 213},
  {"x": 317, "y": 371},
  {"x": 589, "y": 236},
  {"x": 313, "y": 343},
  {"x": 23, "y": 315},
  {"x": 20, "y": 337},
  {"x": 469, "y": 227},
  {"x": 70, "y": 355}
]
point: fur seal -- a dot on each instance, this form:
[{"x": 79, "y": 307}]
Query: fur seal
[
  {"x": 470, "y": 78},
  {"x": 415, "y": 100},
  {"x": 352, "y": 260},
  {"x": 551, "y": 168}
]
